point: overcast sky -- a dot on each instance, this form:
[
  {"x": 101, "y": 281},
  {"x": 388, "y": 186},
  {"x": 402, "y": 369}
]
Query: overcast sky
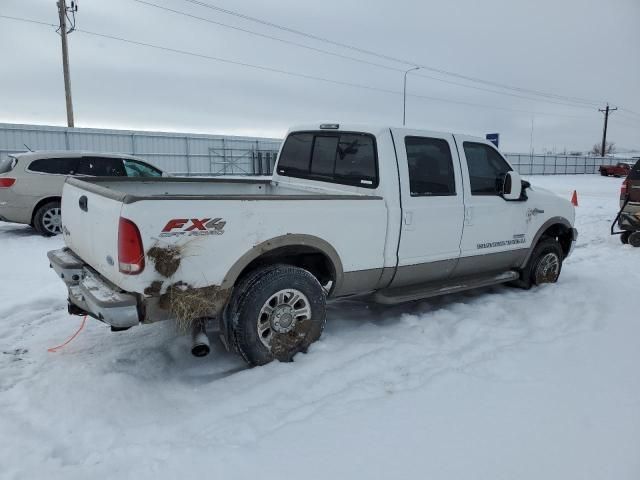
[{"x": 572, "y": 48}]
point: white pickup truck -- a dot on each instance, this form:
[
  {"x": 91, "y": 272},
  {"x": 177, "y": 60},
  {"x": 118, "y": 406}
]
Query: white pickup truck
[{"x": 389, "y": 214}]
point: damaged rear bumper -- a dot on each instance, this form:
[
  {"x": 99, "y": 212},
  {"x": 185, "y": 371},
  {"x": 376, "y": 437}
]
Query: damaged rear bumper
[{"x": 92, "y": 294}]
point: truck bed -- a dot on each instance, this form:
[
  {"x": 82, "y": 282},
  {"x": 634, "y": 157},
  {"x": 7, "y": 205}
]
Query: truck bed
[{"x": 245, "y": 216}]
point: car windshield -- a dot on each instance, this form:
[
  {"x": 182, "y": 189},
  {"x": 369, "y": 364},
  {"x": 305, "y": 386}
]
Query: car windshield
[{"x": 139, "y": 169}]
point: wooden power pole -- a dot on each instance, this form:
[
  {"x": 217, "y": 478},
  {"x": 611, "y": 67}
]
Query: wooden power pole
[
  {"x": 606, "y": 112},
  {"x": 62, "y": 15}
]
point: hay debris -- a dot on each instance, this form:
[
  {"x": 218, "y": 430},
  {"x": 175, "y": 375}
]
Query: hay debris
[
  {"x": 188, "y": 304},
  {"x": 166, "y": 259}
]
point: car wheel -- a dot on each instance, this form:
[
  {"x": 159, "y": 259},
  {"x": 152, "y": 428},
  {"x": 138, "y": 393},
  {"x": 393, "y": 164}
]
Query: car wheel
[
  {"x": 624, "y": 237},
  {"x": 276, "y": 313},
  {"x": 544, "y": 265},
  {"x": 47, "y": 220},
  {"x": 603, "y": 173}
]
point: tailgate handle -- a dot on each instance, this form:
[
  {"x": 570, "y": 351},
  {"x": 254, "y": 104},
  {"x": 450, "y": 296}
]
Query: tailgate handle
[{"x": 83, "y": 202}]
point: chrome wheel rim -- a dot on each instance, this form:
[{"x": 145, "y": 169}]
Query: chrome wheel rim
[
  {"x": 280, "y": 314},
  {"x": 548, "y": 269},
  {"x": 52, "y": 221}
]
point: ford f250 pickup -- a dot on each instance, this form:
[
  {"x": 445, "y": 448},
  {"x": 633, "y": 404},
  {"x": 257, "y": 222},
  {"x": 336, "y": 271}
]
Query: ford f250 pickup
[{"x": 389, "y": 214}]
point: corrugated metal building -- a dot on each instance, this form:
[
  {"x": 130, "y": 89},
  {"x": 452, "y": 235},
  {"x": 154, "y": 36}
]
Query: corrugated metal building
[
  {"x": 182, "y": 154},
  {"x": 194, "y": 154}
]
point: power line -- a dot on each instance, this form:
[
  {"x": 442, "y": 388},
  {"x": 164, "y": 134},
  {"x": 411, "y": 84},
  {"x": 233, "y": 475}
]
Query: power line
[
  {"x": 351, "y": 58},
  {"x": 286, "y": 72},
  {"x": 391, "y": 58},
  {"x": 263, "y": 35}
]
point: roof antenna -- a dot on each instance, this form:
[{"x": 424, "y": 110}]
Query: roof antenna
[{"x": 27, "y": 147}]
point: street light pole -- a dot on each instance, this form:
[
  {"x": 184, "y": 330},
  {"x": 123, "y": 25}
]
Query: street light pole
[{"x": 404, "y": 95}]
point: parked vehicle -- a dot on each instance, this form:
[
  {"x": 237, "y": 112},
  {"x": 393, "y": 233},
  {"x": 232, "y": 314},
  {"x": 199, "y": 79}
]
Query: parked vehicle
[
  {"x": 628, "y": 218},
  {"x": 620, "y": 169},
  {"x": 389, "y": 214},
  {"x": 31, "y": 183}
]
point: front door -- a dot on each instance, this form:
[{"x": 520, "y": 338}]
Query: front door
[
  {"x": 495, "y": 235},
  {"x": 432, "y": 206}
]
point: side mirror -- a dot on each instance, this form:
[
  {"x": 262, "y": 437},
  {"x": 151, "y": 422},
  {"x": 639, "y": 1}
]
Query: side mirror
[{"x": 512, "y": 186}]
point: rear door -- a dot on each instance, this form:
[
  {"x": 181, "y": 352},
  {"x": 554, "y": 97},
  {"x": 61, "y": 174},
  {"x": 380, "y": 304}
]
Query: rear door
[
  {"x": 432, "y": 206},
  {"x": 495, "y": 233}
]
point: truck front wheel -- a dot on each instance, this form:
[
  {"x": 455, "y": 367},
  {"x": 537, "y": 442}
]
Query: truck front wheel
[
  {"x": 277, "y": 312},
  {"x": 544, "y": 266}
]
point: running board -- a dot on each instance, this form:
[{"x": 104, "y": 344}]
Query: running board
[{"x": 393, "y": 296}]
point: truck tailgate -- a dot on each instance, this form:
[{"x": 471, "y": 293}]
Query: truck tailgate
[{"x": 90, "y": 227}]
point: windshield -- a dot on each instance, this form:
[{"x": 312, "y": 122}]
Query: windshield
[{"x": 8, "y": 164}]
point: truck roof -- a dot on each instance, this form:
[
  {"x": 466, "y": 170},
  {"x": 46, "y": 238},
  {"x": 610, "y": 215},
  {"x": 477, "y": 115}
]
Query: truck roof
[{"x": 374, "y": 129}]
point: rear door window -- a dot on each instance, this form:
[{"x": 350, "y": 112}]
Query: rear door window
[
  {"x": 430, "y": 167},
  {"x": 101, "y": 167},
  {"x": 345, "y": 158},
  {"x": 55, "y": 166}
]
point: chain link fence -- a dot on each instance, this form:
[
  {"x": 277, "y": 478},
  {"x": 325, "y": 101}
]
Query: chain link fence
[{"x": 559, "y": 164}]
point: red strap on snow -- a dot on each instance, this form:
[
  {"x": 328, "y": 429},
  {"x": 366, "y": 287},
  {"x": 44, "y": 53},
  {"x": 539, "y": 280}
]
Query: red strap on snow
[{"x": 55, "y": 349}]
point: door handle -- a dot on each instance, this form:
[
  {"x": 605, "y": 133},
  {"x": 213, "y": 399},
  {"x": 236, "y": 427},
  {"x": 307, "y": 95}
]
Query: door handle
[
  {"x": 83, "y": 203},
  {"x": 408, "y": 218}
]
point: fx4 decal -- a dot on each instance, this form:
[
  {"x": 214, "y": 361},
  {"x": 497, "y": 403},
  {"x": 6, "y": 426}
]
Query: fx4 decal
[{"x": 190, "y": 227}]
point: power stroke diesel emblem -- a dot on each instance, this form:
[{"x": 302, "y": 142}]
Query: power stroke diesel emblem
[{"x": 191, "y": 227}]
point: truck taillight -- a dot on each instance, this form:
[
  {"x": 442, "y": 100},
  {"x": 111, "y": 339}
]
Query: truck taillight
[
  {"x": 7, "y": 182},
  {"x": 130, "y": 250}
]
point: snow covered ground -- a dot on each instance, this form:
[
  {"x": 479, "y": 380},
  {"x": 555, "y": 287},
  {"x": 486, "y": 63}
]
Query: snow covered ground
[{"x": 494, "y": 384}]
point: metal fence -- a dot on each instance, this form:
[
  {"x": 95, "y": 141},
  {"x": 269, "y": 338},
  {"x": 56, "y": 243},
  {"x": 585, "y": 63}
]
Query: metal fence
[
  {"x": 181, "y": 154},
  {"x": 558, "y": 164},
  {"x": 192, "y": 154}
]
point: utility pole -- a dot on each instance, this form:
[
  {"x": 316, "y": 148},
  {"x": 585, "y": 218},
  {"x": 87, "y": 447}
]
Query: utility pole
[
  {"x": 404, "y": 95},
  {"x": 63, "y": 11},
  {"x": 606, "y": 111}
]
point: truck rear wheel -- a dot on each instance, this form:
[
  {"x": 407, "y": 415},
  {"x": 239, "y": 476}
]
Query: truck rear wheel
[{"x": 277, "y": 312}]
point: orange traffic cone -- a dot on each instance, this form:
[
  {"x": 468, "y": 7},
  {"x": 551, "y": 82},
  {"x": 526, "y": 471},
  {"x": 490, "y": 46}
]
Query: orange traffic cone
[{"x": 574, "y": 199}]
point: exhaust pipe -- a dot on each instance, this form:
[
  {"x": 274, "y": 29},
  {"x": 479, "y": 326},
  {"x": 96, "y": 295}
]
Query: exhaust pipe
[{"x": 200, "y": 342}]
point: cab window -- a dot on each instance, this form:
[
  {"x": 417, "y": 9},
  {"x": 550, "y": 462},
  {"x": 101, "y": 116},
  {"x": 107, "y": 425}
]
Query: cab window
[
  {"x": 338, "y": 157},
  {"x": 487, "y": 168}
]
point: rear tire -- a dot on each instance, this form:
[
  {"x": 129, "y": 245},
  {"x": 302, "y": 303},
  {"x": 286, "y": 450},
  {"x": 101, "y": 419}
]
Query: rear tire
[
  {"x": 634, "y": 239},
  {"x": 544, "y": 266},
  {"x": 624, "y": 237},
  {"x": 276, "y": 312},
  {"x": 47, "y": 220}
]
